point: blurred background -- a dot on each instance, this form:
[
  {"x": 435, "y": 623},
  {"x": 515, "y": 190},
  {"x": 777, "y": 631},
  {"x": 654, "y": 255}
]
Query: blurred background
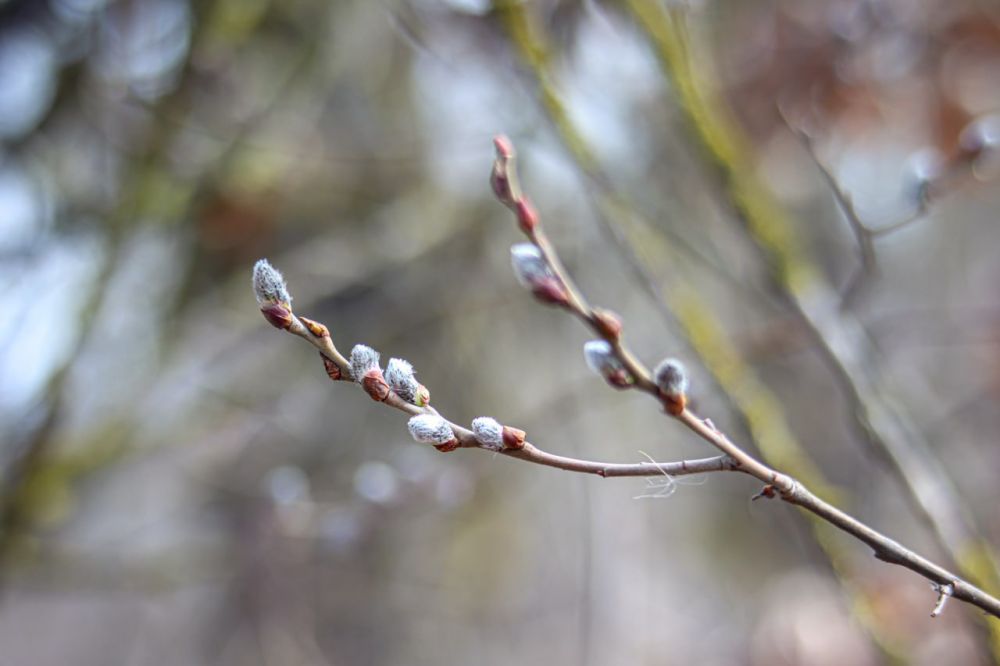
[{"x": 183, "y": 485}]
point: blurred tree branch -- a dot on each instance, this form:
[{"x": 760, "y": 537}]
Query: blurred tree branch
[{"x": 886, "y": 424}]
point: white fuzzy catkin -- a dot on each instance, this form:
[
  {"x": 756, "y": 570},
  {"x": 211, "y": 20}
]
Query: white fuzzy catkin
[
  {"x": 430, "y": 429},
  {"x": 268, "y": 284},
  {"x": 671, "y": 376},
  {"x": 529, "y": 265},
  {"x": 601, "y": 357},
  {"x": 488, "y": 432},
  {"x": 363, "y": 359},
  {"x": 399, "y": 375}
]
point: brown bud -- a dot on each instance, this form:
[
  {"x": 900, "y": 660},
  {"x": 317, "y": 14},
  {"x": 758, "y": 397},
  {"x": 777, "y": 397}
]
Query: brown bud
[
  {"x": 768, "y": 491},
  {"x": 551, "y": 290},
  {"x": 332, "y": 369},
  {"x": 527, "y": 216},
  {"x": 447, "y": 447},
  {"x": 317, "y": 329},
  {"x": 513, "y": 438},
  {"x": 278, "y": 315},
  {"x": 375, "y": 385},
  {"x": 607, "y": 323},
  {"x": 423, "y": 397},
  {"x": 674, "y": 405}
]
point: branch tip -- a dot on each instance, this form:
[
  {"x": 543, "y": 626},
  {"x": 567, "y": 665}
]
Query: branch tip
[
  {"x": 503, "y": 146},
  {"x": 269, "y": 284},
  {"x": 503, "y": 178}
]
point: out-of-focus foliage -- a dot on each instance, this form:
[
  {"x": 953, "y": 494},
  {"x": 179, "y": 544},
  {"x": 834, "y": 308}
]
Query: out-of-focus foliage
[{"x": 183, "y": 484}]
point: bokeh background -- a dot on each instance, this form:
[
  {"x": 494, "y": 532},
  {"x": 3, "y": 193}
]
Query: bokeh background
[{"x": 183, "y": 485}]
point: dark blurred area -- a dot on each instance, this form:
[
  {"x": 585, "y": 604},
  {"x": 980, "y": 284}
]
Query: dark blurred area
[{"x": 183, "y": 485}]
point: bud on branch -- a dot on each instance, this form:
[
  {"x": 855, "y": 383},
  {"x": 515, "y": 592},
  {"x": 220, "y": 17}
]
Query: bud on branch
[
  {"x": 600, "y": 357},
  {"x": 534, "y": 272},
  {"x": 503, "y": 178},
  {"x": 432, "y": 429},
  {"x": 608, "y": 323},
  {"x": 488, "y": 432},
  {"x": 272, "y": 294},
  {"x": 400, "y": 375},
  {"x": 363, "y": 359},
  {"x": 671, "y": 378}
]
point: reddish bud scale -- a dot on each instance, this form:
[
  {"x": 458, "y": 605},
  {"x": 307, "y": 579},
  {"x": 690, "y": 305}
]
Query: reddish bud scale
[
  {"x": 768, "y": 491},
  {"x": 550, "y": 290},
  {"x": 513, "y": 438},
  {"x": 619, "y": 378},
  {"x": 375, "y": 385},
  {"x": 277, "y": 314},
  {"x": 674, "y": 405},
  {"x": 317, "y": 329},
  {"x": 503, "y": 146},
  {"x": 608, "y": 324},
  {"x": 527, "y": 216},
  {"x": 500, "y": 182},
  {"x": 332, "y": 369},
  {"x": 447, "y": 447}
]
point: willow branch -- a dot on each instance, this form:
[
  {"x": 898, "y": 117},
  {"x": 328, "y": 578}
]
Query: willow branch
[
  {"x": 607, "y": 326},
  {"x": 551, "y": 283},
  {"x": 321, "y": 340}
]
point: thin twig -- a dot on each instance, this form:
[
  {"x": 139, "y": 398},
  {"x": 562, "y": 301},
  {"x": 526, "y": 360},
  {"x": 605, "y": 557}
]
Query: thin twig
[
  {"x": 944, "y": 593},
  {"x": 530, "y": 452},
  {"x": 864, "y": 234}
]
